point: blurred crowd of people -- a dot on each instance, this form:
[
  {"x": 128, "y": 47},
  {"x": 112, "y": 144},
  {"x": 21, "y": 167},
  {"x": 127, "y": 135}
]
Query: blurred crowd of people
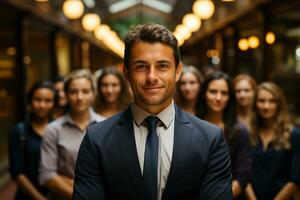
[{"x": 263, "y": 142}]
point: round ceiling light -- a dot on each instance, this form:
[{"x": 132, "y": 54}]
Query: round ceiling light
[
  {"x": 73, "y": 9},
  {"x": 204, "y": 8}
]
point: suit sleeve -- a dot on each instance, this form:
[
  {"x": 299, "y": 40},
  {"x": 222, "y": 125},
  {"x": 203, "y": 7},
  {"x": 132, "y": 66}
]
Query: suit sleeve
[
  {"x": 216, "y": 184},
  {"x": 89, "y": 181}
]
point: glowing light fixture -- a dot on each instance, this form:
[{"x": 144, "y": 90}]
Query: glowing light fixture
[
  {"x": 298, "y": 52},
  {"x": 192, "y": 22},
  {"x": 102, "y": 31},
  {"x": 270, "y": 38},
  {"x": 243, "y": 44},
  {"x": 182, "y": 32},
  {"x": 41, "y": 0},
  {"x": 204, "y": 8},
  {"x": 253, "y": 42},
  {"x": 90, "y": 21},
  {"x": 73, "y": 9}
]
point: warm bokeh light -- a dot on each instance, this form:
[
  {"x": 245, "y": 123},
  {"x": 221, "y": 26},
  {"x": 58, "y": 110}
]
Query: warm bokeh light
[
  {"x": 110, "y": 39},
  {"x": 204, "y": 8},
  {"x": 73, "y": 9},
  {"x": 102, "y": 31},
  {"x": 192, "y": 22},
  {"x": 227, "y": 0},
  {"x": 182, "y": 32},
  {"x": 90, "y": 21},
  {"x": 253, "y": 42},
  {"x": 113, "y": 42},
  {"x": 243, "y": 44},
  {"x": 270, "y": 38},
  {"x": 11, "y": 51},
  {"x": 212, "y": 53}
]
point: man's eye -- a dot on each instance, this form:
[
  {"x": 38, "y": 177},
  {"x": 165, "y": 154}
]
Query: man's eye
[
  {"x": 163, "y": 66},
  {"x": 140, "y": 67}
]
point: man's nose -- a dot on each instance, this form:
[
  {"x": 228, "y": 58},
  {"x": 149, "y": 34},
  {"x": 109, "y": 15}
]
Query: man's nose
[{"x": 151, "y": 74}]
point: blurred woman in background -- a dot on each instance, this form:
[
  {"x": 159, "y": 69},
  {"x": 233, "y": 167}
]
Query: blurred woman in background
[
  {"x": 276, "y": 147},
  {"x": 63, "y": 136},
  {"x": 216, "y": 104},
  {"x": 25, "y": 143},
  {"x": 244, "y": 86},
  {"x": 188, "y": 88},
  {"x": 113, "y": 94},
  {"x": 60, "y": 106}
]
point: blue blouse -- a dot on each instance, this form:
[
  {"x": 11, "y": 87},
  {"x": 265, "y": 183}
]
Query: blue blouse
[
  {"x": 24, "y": 156},
  {"x": 273, "y": 169}
]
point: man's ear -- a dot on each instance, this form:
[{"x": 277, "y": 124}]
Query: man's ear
[
  {"x": 125, "y": 71},
  {"x": 178, "y": 71}
]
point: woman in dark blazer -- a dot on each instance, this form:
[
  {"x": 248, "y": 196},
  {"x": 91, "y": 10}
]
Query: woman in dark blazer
[
  {"x": 276, "y": 147},
  {"x": 216, "y": 104},
  {"x": 25, "y": 143}
]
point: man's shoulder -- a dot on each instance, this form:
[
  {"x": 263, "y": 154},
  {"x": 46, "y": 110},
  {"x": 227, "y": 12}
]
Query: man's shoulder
[
  {"x": 199, "y": 126},
  {"x": 105, "y": 127}
]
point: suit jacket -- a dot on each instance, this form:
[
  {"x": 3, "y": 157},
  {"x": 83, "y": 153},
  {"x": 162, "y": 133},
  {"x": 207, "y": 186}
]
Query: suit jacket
[{"x": 108, "y": 168}]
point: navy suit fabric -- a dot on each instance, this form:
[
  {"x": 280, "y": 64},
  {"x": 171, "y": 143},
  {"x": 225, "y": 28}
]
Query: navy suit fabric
[{"x": 108, "y": 168}]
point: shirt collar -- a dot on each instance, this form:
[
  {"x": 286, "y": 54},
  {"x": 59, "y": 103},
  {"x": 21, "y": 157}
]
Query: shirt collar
[
  {"x": 166, "y": 116},
  {"x": 93, "y": 118}
]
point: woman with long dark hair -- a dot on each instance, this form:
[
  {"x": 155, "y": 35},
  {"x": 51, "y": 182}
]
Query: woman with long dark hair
[
  {"x": 187, "y": 89},
  {"x": 61, "y": 102},
  {"x": 216, "y": 104},
  {"x": 113, "y": 92},
  {"x": 25, "y": 143}
]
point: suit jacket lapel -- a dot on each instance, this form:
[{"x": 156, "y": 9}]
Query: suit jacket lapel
[
  {"x": 182, "y": 136},
  {"x": 126, "y": 139}
]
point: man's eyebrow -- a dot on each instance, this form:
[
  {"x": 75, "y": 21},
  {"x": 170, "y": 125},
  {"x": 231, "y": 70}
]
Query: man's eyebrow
[
  {"x": 164, "y": 61},
  {"x": 139, "y": 62},
  {"x": 144, "y": 62}
]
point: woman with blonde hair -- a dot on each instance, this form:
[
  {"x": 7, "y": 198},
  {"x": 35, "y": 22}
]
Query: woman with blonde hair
[
  {"x": 63, "y": 136},
  {"x": 276, "y": 149},
  {"x": 244, "y": 86},
  {"x": 188, "y": 88}
]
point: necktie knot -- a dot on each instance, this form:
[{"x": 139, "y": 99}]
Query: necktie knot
[{"x": 152, "y": 122}]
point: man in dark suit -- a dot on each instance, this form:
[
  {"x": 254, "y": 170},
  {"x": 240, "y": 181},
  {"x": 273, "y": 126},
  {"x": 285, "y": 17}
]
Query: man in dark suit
[{"x": 153, "y": 150}]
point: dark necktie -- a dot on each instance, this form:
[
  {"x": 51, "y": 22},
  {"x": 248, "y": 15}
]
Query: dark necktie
[{"x": 151, "y": 157}]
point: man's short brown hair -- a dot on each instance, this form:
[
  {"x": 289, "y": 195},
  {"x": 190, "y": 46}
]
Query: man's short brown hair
[{"x": 151, "y": 33}]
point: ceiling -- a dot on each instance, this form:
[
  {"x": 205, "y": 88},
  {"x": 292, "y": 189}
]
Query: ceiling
[{"x": 122, "y": 14}]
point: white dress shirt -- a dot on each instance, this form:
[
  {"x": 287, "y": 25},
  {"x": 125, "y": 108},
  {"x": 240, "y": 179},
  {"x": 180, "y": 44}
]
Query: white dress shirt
[{"x": 165, "y": 131}]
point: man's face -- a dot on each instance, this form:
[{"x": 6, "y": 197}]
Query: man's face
[{"x": 152, "y": 74}]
